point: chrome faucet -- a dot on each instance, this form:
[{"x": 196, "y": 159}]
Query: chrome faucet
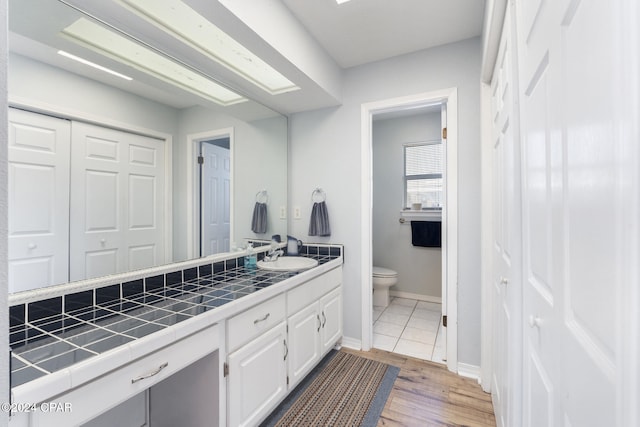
[{"x": 273, "y": 255}]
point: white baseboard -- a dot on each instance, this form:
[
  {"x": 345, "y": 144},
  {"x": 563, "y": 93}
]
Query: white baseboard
[
  {"x": 352, "y": 343},
  {"x": 469, "y": 371},
  {"x": 418, "y": 297}
]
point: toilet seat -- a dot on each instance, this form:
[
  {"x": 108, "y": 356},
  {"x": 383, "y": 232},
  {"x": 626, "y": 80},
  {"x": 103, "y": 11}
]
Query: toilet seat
[{"x": 383, "y": 272}]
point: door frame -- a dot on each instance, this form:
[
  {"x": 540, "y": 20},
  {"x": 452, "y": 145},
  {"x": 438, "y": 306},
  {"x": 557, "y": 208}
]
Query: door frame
[
  {"x": 203, "y": 200},
  {"x": 449, "y": 212},
  {"x": 193, "y": 185}
]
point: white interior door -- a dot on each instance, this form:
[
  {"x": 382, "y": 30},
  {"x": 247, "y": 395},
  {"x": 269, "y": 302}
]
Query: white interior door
[
  {"x": 38, "y": 199},
  {"x": 576, "y": 157},
  {"x": 215, "y": 199},
  {"x": 117, "y": 202},
  {"x": 506, "y": 281}
]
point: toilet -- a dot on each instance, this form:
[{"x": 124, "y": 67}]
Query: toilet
[{"x": 383, "y": 279}]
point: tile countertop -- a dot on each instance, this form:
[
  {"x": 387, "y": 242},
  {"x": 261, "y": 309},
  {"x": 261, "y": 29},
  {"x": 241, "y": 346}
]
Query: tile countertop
[{"x": 52, "y": 354}]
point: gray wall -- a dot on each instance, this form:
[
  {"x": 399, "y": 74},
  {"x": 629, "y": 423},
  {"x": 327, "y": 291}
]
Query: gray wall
[
  {"x": 260, "y": 162},
  {"x": 325, "y": 152},
  {"x": 36, "y": 81},
  {"x": 419, "y": 269}
]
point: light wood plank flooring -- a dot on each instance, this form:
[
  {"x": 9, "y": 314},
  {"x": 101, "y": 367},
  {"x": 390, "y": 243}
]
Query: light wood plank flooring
[{"x": 426, "y": 394}]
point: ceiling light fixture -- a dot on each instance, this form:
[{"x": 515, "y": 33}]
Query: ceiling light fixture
[
  {"x": 182, "y": 22},
  {"x": 120, "y": 48},
  {"x": 93, "y": 64}
]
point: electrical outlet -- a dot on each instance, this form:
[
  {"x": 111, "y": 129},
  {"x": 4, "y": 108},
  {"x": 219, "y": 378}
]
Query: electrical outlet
[
  {"x": 296, "y": 212},
  {"x": 283, "y": 212}
]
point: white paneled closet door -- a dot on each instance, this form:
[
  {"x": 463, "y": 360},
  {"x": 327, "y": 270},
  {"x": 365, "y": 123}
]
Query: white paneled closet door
[
  {"x": 507, "y": 257},
  {"x": 117, "y": 202},
  {"x": 580, "y": 193},
  {"x": 38, "y": 198}
]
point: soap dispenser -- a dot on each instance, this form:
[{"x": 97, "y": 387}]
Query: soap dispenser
[{"x": 250, "y": 258}]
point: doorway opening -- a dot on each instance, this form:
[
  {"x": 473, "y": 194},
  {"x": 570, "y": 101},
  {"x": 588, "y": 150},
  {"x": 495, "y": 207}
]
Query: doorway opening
[
  {"x": 210, "y": 192},
  {"x": 406, "y": 229},
  {"x": 446, "y": 98},
  {"x": 214, "y": 161}
]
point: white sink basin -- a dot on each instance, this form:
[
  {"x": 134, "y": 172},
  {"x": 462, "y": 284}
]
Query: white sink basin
[{"x": 288, "y": 263}]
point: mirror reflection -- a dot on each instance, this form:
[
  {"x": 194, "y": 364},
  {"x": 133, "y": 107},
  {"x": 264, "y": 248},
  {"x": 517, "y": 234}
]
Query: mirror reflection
[{"x": 136, "y": 166}]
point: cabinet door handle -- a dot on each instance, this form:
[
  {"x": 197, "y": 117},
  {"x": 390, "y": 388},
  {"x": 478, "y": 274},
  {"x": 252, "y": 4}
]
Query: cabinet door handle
[
  {"x": 504, "y": 281},
  {"x": 324, "y": 319},
  {"x": 319, "y": 322},
  {"x": 150, "y": 374},
  {"x": 262, "y": 319},
  {"x": 286, "y": 350}
]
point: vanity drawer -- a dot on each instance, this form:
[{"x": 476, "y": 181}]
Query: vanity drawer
[
  {"x": 311, "y": 291},
  {"x": 255, "y": 321},
  {"x": 92, "y": 399}
]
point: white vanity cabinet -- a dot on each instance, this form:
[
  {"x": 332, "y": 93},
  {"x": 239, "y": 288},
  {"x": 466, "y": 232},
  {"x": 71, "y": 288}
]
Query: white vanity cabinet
[
  {"x": 304, "y": 352},
  {"x": 122, "y": 396},
  {"x": 257, "y": 377},
  {"x": 256, "y": 367},
  {"x": 315, "y": 322},
  {"x": 276, "y": 343},
  {"x": 331, "y": 312}
]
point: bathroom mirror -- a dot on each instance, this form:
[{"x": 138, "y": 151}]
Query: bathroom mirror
[{"x": 179, "y": 116}]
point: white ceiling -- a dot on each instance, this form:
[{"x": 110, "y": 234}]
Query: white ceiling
[{"x": 362, "y": 31}]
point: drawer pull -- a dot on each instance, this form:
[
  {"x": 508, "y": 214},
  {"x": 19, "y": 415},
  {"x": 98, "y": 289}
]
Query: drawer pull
[
  {"x": 262, "y": 319},
  {"x": 150, "y": 374}
]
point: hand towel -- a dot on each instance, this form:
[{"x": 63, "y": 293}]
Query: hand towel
[
  {"x": 259, "y": 220},
  {"x": 319, "y": 223},
  {"x": 427, "y": 234}
]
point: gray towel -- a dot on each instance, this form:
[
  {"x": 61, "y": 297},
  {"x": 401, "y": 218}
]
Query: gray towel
[
  {"x": 319, "y": 224},
  {"x": 259, "y": 220}
]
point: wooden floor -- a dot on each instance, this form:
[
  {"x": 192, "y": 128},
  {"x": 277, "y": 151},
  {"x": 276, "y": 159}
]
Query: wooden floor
[{"x": 426, "y": 394}]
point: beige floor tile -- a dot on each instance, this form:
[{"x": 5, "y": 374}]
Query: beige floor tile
[{"x": 389, "y": 329}]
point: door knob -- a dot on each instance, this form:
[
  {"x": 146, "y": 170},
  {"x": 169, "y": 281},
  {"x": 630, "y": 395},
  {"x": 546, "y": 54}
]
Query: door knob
[
  {"x": 534, "y": 321},
  {"x": 103, "y": 241}
]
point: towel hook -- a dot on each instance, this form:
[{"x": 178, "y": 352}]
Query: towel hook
[
  {"x": 318, "y": 192},
  {"x": 262, "y": 196}
]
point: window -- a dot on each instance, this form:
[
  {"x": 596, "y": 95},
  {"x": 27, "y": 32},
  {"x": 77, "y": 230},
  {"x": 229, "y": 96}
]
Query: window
[{"x": 423, "y": 165}]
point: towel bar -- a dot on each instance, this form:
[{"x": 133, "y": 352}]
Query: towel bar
[
  {"x": 262, "y": 196},
  {"x": 318, "y": 191}
]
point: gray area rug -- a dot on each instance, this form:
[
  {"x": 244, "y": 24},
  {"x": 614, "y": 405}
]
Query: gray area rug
[{"x": 343, "y": 390}]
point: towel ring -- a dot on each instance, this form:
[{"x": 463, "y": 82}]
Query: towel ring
[
  {"x": 262, "y": 196},
  {"x": 318, "y": 192}
]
